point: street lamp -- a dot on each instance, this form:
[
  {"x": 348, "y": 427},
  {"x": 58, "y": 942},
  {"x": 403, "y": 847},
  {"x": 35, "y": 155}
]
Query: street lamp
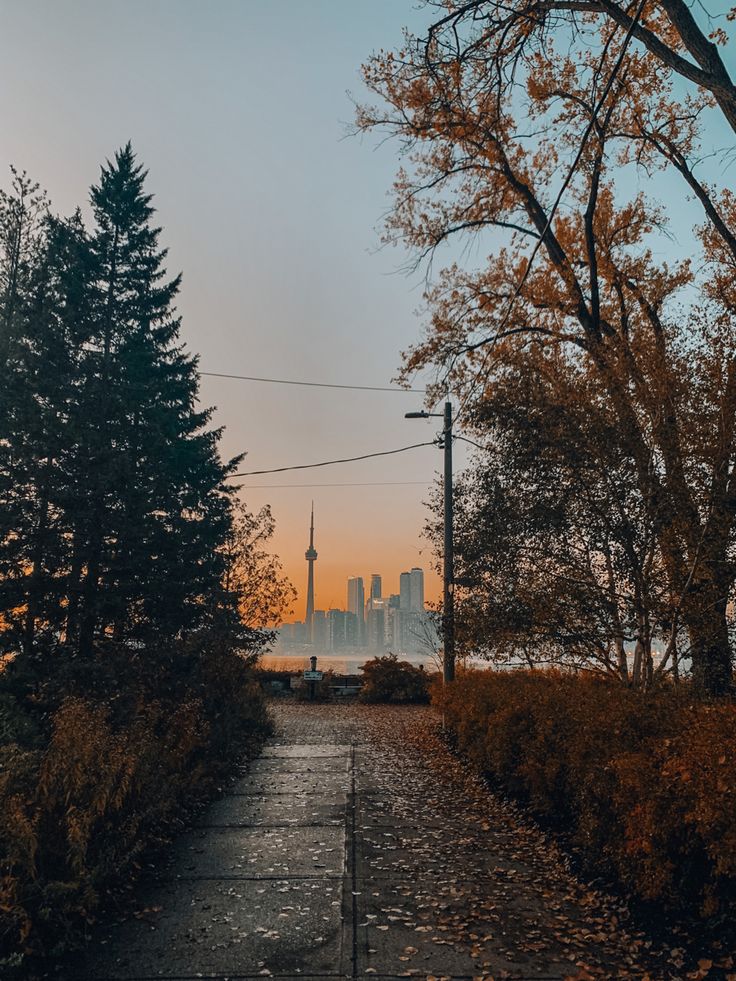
[{"x": 448, "y": 599}]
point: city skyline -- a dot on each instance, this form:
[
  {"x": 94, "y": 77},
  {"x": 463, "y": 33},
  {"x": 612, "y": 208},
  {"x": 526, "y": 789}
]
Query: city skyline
[
  {"x": 280, "y": 266},
  {"x": 396, "y": 621},
  {"x": 364, "y": 587},
  {"x": 344, "y": 605}
]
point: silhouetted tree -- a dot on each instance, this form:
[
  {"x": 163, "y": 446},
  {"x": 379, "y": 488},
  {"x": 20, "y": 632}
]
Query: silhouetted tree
[
  {"x": 494, "y": 106},
  {"x": 153, "y": 507},
  {"x": 116, "y": 510},
  {"x": 253, "y": 575}
]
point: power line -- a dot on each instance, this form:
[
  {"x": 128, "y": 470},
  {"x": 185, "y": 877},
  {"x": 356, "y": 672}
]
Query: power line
[
  {"x": 330, "y": 463},
  {"x": 372, "y": 483},
  {"x": 472, "y": 442},
  {"x": 548, "y": 224},
  {"x": 308, "y": 384}
]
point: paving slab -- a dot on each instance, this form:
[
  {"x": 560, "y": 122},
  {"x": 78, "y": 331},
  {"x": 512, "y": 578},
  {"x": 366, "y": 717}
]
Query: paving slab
[
  {"x": 228, "y": 929},
  {"x": 280, "y": 782},
  {"x": 392, "y": 811},
  {"x": 377, "y": 770},
  {"x": 275, "y": 810},
  {"x": 384, "y": 850},
  {"x": 291, "y": 751},
  {"x": 260, "y": 852},
  {"x": 448, "y": 927},
  {"x": 299, "y": 764}
]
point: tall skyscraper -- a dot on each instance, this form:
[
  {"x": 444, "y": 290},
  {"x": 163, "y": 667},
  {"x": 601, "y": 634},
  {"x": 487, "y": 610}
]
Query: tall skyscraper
[
  {"x": 375, "y": 623},
  {"x": 375, "y": 586},
  {"x": 356, "y": 596},
  {"x": 352, "y": 630},
  {"x": 311, "y": 556},
  {"x": 405, "y": 591},
  {"x": 416, "y": 590},
  {"x": 337, "y": 629},
  {"x": 319, "y": 632},
  {"x": 356, "y": 606}
]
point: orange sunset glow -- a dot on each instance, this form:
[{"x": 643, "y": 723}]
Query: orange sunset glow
[
  {"x": 379, "y": 540},
  {"x": 368, "y": 490}
]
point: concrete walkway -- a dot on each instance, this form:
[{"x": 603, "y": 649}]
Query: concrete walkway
[{"x": 342, "y": 853}]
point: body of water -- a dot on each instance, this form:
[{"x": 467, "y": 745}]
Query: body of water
[{"x": 341, "y": 662}]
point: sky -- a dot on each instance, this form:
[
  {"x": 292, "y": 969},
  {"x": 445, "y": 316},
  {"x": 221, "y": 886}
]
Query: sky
[{"x": 240, "y": 110}]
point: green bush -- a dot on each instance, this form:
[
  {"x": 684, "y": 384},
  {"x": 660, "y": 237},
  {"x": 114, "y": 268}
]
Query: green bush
[
  {"x": 386, "y": 679},
  {"x": 113, "y": 774},
  {"x": 643, "y": 784}
]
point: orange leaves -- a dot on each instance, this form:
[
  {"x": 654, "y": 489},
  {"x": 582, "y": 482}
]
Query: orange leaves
[
  {"x": 114, "y": 776},
  {"x": 491, "y": 111},
  {"x": 514, "y": 140},
  {"x": 703, "y": 970},
  {"x": 644, "y": 785},
  {"x": 719, "y": 36}
]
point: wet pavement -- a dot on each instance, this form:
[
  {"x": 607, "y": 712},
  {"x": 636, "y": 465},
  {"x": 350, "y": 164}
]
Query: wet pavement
[{"x": 342, "y": 853}]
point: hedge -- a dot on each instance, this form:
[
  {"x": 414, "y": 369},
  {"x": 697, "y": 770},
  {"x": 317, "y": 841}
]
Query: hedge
[
  {"x": 92, "y": 780},
  {"x": 387, "y": 679},
  {"x": 644, "y": 785}
]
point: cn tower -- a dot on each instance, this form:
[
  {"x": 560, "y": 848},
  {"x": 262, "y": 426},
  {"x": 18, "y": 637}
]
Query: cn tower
[{"x": 311, "y": 556}]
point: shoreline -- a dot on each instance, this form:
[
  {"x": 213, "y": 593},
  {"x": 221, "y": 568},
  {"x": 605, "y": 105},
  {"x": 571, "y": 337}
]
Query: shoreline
[{"x": 342, "y": 662}]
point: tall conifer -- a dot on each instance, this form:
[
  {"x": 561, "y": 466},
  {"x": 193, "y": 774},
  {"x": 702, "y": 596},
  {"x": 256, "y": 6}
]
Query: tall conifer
[
  {"x": 114, "y": 506},
  {"x": 154, "y": 507}
]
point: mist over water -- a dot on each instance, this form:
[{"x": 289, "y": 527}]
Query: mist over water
[{"x": 340, "y": 662}]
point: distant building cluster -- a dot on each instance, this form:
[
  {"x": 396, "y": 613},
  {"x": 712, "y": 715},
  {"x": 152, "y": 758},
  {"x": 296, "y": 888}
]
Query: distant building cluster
[{"x": 397, "y": 622}]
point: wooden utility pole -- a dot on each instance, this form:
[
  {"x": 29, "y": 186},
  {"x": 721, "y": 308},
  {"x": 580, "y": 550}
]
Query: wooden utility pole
[
  {"x": 448, "y": 596},
  {"x": 448, "y": 562}
]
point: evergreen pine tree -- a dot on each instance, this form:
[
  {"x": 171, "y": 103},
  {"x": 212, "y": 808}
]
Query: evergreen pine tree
[
  {"x": 113, "y": 503},
  {"x": 56, "y": 331},
  {"x": 153, "y": 506},
  {"x": 22, "y": 245},
  {"x": 41, "y": 270}
]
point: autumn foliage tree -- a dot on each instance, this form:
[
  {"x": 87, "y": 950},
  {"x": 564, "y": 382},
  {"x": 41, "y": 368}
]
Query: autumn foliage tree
[
  {"x": 556, "y": 559},
  {"x": 541, "y": 130},
  {"x": 262, "y": 594}
]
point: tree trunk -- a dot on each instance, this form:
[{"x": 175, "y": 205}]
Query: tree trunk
[
  {"x": 710, "y": 651},
  {"x": 648, "y": 667},
  {"x": 704, "y": 614},
  {"x": 622, "y": 660},
  {"x": 637, "y": 667},
  {"x": 675, "y": 665}
]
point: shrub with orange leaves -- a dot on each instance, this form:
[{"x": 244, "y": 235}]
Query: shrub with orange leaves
[
  {"x": 643, "y": 784},
  {"x": 114, "y": 772},
  {"x": 387, "y": 679}
]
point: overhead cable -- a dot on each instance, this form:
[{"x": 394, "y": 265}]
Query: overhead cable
[
  {"x": 330, "y": 463},
  {"x": 472, "y": 442},
  {"x": 371, "y": 483},
  {"x": 311, "y": 384}
]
